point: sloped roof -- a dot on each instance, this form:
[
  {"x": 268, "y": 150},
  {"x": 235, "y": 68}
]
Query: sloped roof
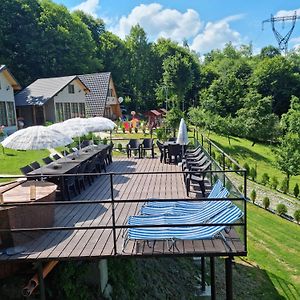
[
  {"x": 41, "y": 90},
  {"x": 98, "y": 84},
  {"x": 12, "y": 80}
]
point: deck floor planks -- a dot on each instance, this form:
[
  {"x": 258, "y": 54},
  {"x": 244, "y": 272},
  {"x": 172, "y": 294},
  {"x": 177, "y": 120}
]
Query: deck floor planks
[{"x": 97, "y": 242}]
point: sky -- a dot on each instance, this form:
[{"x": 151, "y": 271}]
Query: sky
[{"x": 205, "y": 24}]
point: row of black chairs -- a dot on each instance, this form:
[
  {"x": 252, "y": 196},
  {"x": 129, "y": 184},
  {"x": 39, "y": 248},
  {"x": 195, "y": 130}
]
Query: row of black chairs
[
  {"x": 196, "y": 162},
  {"x": 172, "y": 153},
  {"x": 140, "y": 148}
]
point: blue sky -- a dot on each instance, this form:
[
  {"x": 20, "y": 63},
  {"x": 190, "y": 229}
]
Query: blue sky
[{"x": 206, "y": 24}]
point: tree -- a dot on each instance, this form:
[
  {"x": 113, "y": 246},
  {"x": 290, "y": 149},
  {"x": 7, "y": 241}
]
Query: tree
[
  {"x": 269, "y": 51},
  {"x": 178, "y": 77},
  {"x": 256, "y": 120},
  {"x": 288, "y": 156},
  {"x": 274, "y": 182},
  {"x": 281, "y": 209},
  {"x": 278, "y": 78},
  {"x": 296, "y": 190},
  {"x": 265, "y": 178},
  {"x": 253, "y": 195},
  {"x": 297, "y": 215},
  {"x": 173, "y": 118},
  {"x": 290, "y": 121},
  {"x": 266, "y": 202},
  {"x": 253, "y": 173}
]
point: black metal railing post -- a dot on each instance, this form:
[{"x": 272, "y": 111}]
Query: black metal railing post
[
  {"x": 245, "y": 208},
  {"x": 113, "y": 213},
  {"x": 202, "y": 273},
  {"x": 202, "y": 140},
  {"x": 210, "y": 148},
  {"x": 224, "y": 162},
  {"x": 213, "y": 278}
]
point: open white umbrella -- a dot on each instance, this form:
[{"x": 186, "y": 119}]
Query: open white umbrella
[
  {"x": 101, "y": 124},
  {"x": 36, "y": 138}
]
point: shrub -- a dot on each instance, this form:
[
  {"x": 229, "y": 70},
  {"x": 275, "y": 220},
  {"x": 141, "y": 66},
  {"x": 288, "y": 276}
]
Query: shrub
[
  {"x": 136, "y": 130},
  {"x": 213, "y": 154},
  {"x": 219, "y": 159},
  {"x": 253, "y": 173},
  {"x": 274, "y": 182},
  {"x": 241, "y": 188},
  {"x": 228, "y": 163},
  {"x": 253, "y": 195},
  {"x": 120, "y": 147},
  {"x": 247, "y": 168},
  {"x": 265, "y": 178},
  {"x": 105, "y": 141},
  {"x": 123, "y": 129},
  {"x": 284, "y": 185},
  {"x": 296, "y": 190},
  {"x": 266, "y": 202},
  {"x": 281, "y": 209},
  {"x": 297, "y": 215}
]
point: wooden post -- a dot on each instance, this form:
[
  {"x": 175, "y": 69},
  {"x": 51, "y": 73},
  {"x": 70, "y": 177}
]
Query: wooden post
[
  {"x": 202, "y": 273},
  {"x": 213, "y": 278},
  {"x": 41, "y": 281},
  {"x": 228, "y": 274}
]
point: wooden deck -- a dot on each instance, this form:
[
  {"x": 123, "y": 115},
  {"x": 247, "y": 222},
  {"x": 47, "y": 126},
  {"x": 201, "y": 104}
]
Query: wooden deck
[{"x": 95, "y": 243}]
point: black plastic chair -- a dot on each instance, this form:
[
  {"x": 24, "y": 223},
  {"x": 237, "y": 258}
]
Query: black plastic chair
[
  {"x": 162, "y": 151},
  {"x": 133, "y": 145},
  {"x": 47, "y": 160},
  {"x": 56, "y": 156},
  {"x": 175, "y": 153},
  {"x": 84, "y": 143},
  {"x": 100, "y": 162},
  {"x": 147, "y": 144},
  {"x": 172, "y": 139},
  {"x": 69, "y": 185},
  {"x": 80, "y": 179},
  {"x": 25, "y": 170},
  {"x": 109, "y": 153},
  {"x": 35, "y": 165}
]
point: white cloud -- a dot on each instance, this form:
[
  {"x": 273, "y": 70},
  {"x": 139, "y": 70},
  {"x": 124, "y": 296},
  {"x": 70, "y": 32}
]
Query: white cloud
[
  {"x": 88, "y": 6},
  {"x": 160, "y": 22},
  {"x": 216, "y": 35},
  {"x": 283, "y": 13}
]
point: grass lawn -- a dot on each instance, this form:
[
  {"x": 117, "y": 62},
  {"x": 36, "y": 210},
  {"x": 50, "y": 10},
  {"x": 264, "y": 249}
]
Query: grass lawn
[
  {"x": 260, "y": 155},
  {"x": 12, "y": 160},
  {"x": 273, "y": 246}
]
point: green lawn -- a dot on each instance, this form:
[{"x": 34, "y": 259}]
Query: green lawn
[
  {"x": 12, "y": 160},
  {"x": 273, "y": 247},
  {"x": 260, "y": 155}
]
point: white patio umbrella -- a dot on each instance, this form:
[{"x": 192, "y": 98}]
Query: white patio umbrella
[
  {"x": 36, "y": 138},
  {"x": 75, "y": 127},
  {"x": 101, "y": 124}
]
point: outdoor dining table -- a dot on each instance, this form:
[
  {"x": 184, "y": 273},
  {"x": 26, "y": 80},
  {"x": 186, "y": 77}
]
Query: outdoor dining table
[{"x": 65, "y": 164}]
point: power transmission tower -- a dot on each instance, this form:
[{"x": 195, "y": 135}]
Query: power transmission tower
[{"x": 282, "y": 39}]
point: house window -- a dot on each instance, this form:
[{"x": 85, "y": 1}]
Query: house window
[
  {"x": 3, "y": 117},
  {"x": 59, "y": 112},
  {"x": 74, "y": 110},
  {"x": 81, "y": 110},
  {"x": 67, "y": 111},
  {"x": 11, "y": 117},
  {"x": 71, "y": 88}
]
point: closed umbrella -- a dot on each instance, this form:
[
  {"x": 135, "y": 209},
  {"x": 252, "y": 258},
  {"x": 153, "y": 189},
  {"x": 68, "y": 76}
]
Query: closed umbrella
[
  {"x": 36, "y": 138},
  {"x": 182, "y": 137}
]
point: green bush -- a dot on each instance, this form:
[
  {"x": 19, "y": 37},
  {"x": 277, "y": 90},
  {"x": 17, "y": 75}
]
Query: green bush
[
  {"x": 266, "y": 202},
  {"x": 247, "y": 168},
  {"x": 105, "y": 141},
  {"x": 241, "y": 188},
  {"x": 265, "y": 178},
  {"x": 253, "y": 173},
  {"x": 281, "y": 209},
  {"x": 228, "y": 163},
  {"x": 120, "y": 147},
  {"x": 253, "y": 195},
  {"x": 274, "y": 182},
  {"x": 297, "y": 215},
  {"x": 296, "y": 190},
  {"x": 213, "y": 154},
  {"x": 284, "y": 185},
  {"x": 219, "y": 159}
]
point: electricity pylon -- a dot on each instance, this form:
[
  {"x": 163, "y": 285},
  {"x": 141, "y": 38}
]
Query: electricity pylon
[{"x": 282, "y": 39}]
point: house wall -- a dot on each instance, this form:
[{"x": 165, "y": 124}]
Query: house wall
[
  {"x": 65, "y": 97},
  {"x": 50, "y": 111},
  {"x": 114, "y": 109},
  {"x": 7, "y": 96}
]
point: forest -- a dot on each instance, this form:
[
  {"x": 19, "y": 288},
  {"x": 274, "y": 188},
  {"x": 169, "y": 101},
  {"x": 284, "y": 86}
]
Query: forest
[{"x": 233, "y": 91}]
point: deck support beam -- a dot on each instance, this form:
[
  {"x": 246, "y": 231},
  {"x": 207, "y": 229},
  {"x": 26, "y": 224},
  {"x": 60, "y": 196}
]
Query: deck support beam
[
  {"x": 228, "y": 274},
  {"x": 202, "y": 273},
  {"x": 41, "y": 281},
  {"x": 213, "y": 278}
]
